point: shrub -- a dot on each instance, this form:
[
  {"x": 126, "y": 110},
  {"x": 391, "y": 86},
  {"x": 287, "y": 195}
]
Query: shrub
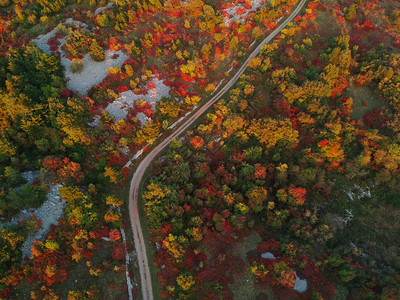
[
  {"x": 96, "y": 52},
  {"x": 27, "y": 196},
  {"x": 347, "y": 273},
  {"x": 13, "y": 176},
  {"x": 77, "y": 66},
  {"x": 4, "y": 3},
  {"x": 335, "y": 260}
]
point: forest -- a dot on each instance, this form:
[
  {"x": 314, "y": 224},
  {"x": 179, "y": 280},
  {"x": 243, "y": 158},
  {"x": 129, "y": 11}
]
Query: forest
[{"x": 287, "y": 188}]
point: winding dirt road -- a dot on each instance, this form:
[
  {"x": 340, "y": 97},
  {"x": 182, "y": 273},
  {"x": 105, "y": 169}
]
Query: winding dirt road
[{"x": 140, "y": 246}]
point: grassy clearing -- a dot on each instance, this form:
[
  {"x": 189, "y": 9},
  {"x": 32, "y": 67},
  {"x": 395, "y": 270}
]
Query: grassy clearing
[
  {"x": 249, "y": 243},
  {"x": 374, "y": 226},
  {"x": 327, "y": 25},
  {"x": 364, "y": 100},
  {"x": 244, "y": 287}
]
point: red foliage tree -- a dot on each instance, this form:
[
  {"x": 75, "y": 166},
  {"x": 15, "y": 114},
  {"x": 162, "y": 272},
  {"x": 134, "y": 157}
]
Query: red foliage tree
[
  {"x": 118, "y": 252},
  {"x": 375, "y": 118}
]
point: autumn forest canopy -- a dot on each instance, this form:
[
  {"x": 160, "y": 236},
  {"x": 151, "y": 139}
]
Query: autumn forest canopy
[{"x": 288, "y": 187}]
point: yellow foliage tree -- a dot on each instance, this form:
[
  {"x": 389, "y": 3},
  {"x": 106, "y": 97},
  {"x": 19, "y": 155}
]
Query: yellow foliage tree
[
  {"x": 257, "y": 197},
  {"x": 96, "y": 52},
  {"x": 248, "y": 89},
  {"x": 270, "y": 131},
  {"x": 189, "y": 68},
  {"x": 112, "y": 216},
  {"x": 175, "y": 245},
  {"x": 111, "y": 173},
  {"x": 394, "y": 150},
  {"x": 12, "y": 238},
  {"x": 114, "y": 201},
  {"x": 233, "y": 123},
  {"x": 255, "y": 62},
  {"x": 170, "y": 108},
  {"x": 257, "y": 32},
  {"x": 147, "y": 134},
  {"x": 51, "y": 270},
  {"x": 185, "y": 281},
  {"x": 192, "y": 100},
  {"x": 70, "y": 194},
  {"x": 155, "y": 191},
  {"x": 234, "y": 42},
  {"x": 332, "y": 150},
  {"x": 52, "y": 245},
  {"x": 128, "y": 70}
]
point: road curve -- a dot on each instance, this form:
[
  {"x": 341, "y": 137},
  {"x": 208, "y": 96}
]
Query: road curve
[{"x": 140, "y": 246}]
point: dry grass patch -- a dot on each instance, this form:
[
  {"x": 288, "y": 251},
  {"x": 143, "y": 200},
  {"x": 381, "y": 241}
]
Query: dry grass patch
[{"x": 364, "y": 100}]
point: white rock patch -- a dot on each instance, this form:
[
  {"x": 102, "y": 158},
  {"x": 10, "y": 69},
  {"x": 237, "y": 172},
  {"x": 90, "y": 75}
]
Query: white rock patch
[
  {"x": 79, "y": 23},
  {"x": 93, "y": 72},
  {"x": 50, "y": 211},
  {"x": 358, "y": 192},
  {"x": 100, "y": 9},
  {"x": 95, "y": 122},
  {"x": 232, "y": 11},
  {"x": 349, "y": 216},
  {"x": 119, "y": 108},
  {"x": 41, "y": 41},
  {"x": 30, "y": 176},
  {"x": 142, "y": 118}
]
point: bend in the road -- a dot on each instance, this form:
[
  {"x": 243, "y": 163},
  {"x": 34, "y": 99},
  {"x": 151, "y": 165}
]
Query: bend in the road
[{"x": 140, "y": 246}]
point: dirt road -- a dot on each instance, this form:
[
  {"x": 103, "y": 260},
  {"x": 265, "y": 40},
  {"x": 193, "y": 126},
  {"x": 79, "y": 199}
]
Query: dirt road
[{"x": 140, "y": 246}]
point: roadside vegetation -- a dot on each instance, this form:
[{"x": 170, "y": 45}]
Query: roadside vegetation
[{"x": 289, "y": 187}]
